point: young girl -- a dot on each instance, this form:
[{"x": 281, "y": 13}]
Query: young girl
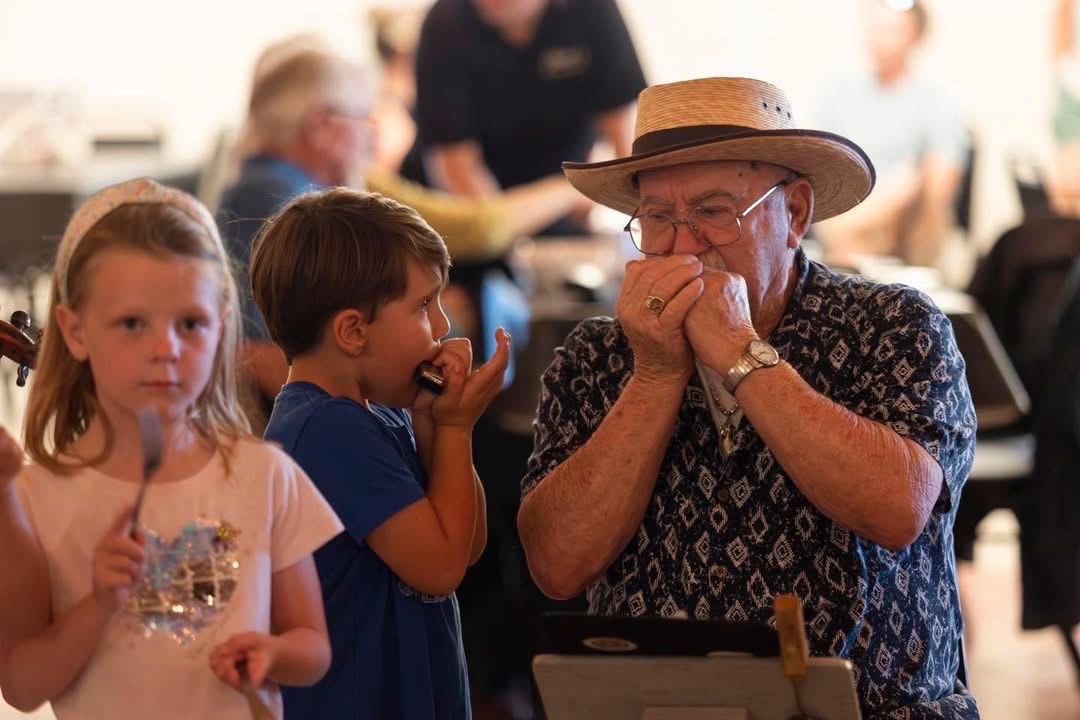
[{"x": 214, "y": 591}]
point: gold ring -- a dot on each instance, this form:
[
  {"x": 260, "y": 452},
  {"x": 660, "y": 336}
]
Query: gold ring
[{"x": 655, "y": 304}]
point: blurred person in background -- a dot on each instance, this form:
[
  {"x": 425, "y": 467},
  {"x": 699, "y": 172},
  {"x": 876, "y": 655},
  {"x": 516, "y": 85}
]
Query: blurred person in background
[
  {"x": 911, "y": 130},
  {"x": 396, "y": 33},
  {"x": 309, "y": 126},
  {"x": 1029, "y": 285},
  {"x": 509, "y": 89},
  {"x": 1063, "y": 183}
]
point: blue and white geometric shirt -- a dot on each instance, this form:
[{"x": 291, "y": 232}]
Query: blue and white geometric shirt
[{"x": 722, "y": 536}]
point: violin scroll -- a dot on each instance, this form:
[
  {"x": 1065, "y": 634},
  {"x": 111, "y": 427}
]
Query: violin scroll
[{"x": 19, "y": 344}]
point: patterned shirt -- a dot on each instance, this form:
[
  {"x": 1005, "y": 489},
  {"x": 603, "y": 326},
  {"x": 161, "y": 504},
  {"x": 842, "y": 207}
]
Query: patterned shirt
[{"x": 722, "y": 537}]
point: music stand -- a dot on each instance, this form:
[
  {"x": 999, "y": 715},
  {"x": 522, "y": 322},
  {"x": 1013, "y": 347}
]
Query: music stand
[{"x": 601, "y": 668}]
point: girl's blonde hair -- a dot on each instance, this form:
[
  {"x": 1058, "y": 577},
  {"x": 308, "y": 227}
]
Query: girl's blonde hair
[{"x": 139, "y": 215}]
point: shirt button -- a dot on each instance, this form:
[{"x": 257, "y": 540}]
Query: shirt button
[
  {"x": 722, "y": 572},
  {"x": 723, "y": 495}
]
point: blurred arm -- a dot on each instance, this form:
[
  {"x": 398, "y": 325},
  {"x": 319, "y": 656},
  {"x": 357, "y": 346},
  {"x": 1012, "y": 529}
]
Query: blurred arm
[
  {"x": 934, "y": 210},
  {"x": 1062, "y": 31},
  {"x": 617, "y": 128},
  {"x": 459, "y": 168}
]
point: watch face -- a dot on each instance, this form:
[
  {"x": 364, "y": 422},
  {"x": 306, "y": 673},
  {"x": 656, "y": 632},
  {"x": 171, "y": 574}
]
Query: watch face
[{"x": 763, "y": 352}]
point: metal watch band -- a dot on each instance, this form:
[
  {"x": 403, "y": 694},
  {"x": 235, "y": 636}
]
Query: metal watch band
[{"x": 739, "y": 370}]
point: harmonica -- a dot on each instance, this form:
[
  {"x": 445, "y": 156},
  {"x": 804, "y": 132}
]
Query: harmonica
[{"x": 431, "y": 378}]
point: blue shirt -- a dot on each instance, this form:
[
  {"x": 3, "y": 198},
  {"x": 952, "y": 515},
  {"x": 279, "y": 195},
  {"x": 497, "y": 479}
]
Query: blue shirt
[
  {"x": 722, "y": 536},
  {"x": 265, "y": 185},
  {"x": 396, "y": 652}
]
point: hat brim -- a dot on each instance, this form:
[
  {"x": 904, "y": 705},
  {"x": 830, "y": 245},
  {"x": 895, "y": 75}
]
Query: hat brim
[{"x": 839, "y": 171}]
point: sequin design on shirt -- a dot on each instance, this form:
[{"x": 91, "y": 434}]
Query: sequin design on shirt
[{"x": 187, "y": 581}]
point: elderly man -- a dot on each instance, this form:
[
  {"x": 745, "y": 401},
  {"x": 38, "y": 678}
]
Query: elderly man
[{"x": 819, "y": 448}]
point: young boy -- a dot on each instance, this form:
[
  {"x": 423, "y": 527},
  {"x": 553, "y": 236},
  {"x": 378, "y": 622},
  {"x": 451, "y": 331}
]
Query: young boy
[{"x": 349, "y": 285}]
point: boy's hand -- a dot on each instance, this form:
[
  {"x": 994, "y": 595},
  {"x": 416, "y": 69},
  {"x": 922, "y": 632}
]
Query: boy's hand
[
  {"x": 425, "y": 398},
  {"x": 118, "y": 563},
  {"x": 467, "y": 395},
  {"x": 246, "y": 657},
  {"x": 11, "y": 458}
]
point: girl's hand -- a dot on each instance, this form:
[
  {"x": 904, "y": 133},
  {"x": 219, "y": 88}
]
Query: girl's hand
[
  {"x": 244, "y": 658},
  {"x": 118, "y": 563},
  {"x": 468, "y": 394},
  {"x": 11, "y": 458}
]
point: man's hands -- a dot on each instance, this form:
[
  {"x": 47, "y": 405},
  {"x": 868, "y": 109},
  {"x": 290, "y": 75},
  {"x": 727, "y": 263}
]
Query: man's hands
[
  {"x": 661, "y": 351},
  {"x": 719, "y": 326},
  {"x": 706, "y": 313}
]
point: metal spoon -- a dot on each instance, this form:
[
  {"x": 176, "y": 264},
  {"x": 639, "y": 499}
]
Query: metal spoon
[{"x": 150, "y": 437}]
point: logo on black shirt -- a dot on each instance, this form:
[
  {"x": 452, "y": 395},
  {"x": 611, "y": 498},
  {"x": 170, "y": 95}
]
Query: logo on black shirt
[{"x": 561, "y": 63}]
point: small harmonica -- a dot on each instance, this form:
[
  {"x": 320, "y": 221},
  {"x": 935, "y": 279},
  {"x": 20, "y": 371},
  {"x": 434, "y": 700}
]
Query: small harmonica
[{"x": 430, "y": 377}]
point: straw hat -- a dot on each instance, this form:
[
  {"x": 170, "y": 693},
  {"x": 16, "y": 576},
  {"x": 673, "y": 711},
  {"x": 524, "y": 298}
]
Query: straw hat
[{"x": 727, "y": 119}]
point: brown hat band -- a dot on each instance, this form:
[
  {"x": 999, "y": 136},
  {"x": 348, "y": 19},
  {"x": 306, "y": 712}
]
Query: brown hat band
[{"x": 662, "y": 139}]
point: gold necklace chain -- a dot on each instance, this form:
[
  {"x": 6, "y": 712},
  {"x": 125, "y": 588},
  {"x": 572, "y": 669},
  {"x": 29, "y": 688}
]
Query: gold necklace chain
[
  {"x": 727, "y": 413},
  {"x": 727, "y": 430}
]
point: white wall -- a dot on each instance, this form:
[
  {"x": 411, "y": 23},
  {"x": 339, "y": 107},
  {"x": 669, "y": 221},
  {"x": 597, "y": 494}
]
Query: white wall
[
  {"x": 192, "y": 68},
  {"x": 187, "y": 62}
]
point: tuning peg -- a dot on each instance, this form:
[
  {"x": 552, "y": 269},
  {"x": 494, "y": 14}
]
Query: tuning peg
[{"x": 20, "y": 320}]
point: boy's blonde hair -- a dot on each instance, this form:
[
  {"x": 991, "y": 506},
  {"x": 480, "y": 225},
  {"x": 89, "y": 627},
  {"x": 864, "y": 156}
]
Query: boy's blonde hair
[
  {"x": 332, "y": 250},
  {"x": 138, "y": 215}
]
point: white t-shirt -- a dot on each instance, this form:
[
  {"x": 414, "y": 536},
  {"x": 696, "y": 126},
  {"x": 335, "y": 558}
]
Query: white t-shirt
[
  {"x": 236, "y": 530},
  {"x": 896, "y": 126}
]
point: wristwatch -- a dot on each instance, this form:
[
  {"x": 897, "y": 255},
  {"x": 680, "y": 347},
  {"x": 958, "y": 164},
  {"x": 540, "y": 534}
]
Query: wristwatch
[{"x": 758, "y": 354}]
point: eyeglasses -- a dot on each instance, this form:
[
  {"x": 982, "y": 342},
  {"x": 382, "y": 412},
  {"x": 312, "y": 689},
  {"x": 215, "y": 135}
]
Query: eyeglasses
[
  {"x": 359, "y": 115},
  {"x": 717, "y": 224}
]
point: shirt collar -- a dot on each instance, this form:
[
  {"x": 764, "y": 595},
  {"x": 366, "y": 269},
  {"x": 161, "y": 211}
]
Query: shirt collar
[{"x": 296, "y": 174}]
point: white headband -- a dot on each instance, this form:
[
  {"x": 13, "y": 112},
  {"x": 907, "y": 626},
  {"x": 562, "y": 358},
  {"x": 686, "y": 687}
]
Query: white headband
[{"x": 103, "y": 202}]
